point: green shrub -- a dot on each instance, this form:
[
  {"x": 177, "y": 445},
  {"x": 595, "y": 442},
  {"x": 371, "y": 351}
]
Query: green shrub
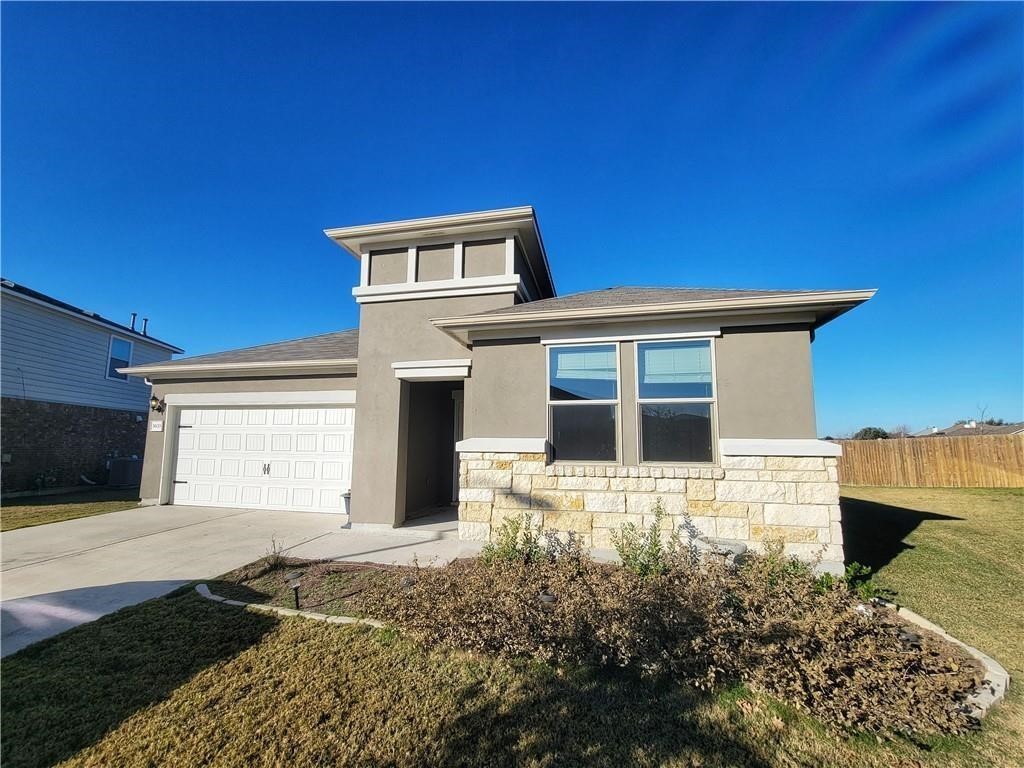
[
  {"x": 516, "y": 541},
  {"x": 641, "y": 550}
]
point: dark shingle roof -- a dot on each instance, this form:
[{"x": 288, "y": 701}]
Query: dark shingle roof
[
  {"x": 624, "y": 296},
  {"x": 338, "y": 345},
  {"x": 27, "y": 292}
]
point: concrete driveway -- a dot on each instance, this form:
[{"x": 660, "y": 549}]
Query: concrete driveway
[{"x": 57, "y": 576}]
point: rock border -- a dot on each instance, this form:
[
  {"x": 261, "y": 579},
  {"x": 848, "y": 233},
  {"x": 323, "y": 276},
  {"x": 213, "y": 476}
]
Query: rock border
[
  {"x": 993, "y": 690},
  {"x": 997, "y": 679},
  {"x": 204, "y": 591}
]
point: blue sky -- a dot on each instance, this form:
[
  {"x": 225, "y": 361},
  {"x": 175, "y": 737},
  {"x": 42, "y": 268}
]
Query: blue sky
[{"x": 181, "y": 161}]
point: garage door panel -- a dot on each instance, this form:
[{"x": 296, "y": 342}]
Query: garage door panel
[{"x": 273, "y": 458}]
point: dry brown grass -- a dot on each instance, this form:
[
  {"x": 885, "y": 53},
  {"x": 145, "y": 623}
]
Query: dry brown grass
[{"x": 40, "y": 510}]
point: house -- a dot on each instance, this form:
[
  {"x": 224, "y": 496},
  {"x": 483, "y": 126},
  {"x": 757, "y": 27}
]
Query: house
[
  {"x": 972, "y": 428},
  {"x": 66, "y": 408},
  {"x": 469, "y": 379}
]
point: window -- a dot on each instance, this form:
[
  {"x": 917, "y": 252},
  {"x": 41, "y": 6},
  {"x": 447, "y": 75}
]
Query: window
[
  {"x": 120, "y": 356},
  {"x": 675, "y": 400},
  {"x": 583, "y": 395}
]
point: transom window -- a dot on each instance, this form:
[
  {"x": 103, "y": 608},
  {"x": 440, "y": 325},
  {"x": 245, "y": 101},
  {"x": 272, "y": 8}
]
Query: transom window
[
  {"x": 119, "y": 356},
  {"x": 583, "y": 400},
  {"x": 675, "y": 401}
]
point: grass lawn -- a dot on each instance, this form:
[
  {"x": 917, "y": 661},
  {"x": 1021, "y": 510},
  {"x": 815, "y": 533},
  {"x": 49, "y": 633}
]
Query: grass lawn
[
  {"x": 182, "y": 681},
  {"x": 39, "y": 510}
]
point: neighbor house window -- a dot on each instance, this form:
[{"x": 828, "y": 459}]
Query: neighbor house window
[
  {"x": 120, "y": 356},
  {"x": 675, "y": 400},
  {"x": 583, "y": 399}
]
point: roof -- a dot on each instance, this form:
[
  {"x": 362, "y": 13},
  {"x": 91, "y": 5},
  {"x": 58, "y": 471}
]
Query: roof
[
  {"x": 964, "y": 429},
  {"x": 626, "y": 296},
  {"x": 499, "y": 222},
  {"x": 326, "y": 351},
  {"x": 642, "y": 303},
  {"x": 84, "y": 314}
]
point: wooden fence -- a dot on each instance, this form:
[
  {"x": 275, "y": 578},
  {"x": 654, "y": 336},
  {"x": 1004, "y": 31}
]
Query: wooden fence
[{"x": 995, "y": 461}]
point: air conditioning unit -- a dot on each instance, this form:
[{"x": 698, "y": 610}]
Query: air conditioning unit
[{"x": 125, "y": 472}]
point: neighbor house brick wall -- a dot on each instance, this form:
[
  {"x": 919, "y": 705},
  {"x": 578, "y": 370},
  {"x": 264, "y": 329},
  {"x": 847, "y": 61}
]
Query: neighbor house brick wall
[
  {"x": 746, "y": 498},
  {"x": 61, "y": 442}
]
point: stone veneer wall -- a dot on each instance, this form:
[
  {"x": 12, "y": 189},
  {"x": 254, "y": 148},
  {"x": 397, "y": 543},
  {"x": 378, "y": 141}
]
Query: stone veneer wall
[{"x": 747, "y": 498}]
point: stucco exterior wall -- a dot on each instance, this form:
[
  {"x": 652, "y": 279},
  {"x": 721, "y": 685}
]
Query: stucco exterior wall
[
  {"x": 394, "y": 332},
  {"x": 483, "y": 258},
  {"x": 764, "y": 382},
  {"x": 506, "y": 394},
  {"x": 390, "y": 266},
  {"x": 149, "y": 491}
]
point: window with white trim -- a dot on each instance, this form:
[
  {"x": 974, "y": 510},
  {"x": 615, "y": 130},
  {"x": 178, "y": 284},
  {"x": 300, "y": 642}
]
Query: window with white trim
[
  {"x": 118, "y": 356},
  {"x": 675, "y": 401},
  {"x": 583, "y": 402}
]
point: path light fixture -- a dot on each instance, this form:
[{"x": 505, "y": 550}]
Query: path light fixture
[
  {"x": 156, "y": 404},
  {"x": 294, "y": 580}
]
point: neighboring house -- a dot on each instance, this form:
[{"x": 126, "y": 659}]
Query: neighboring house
[
  {"x": 66, "y": 409},
  {"x": 582, "y": 410},
  {"x": 972, "y": 428}
]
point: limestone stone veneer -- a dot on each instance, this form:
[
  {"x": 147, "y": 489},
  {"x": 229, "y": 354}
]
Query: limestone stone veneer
[{"x": 747, "y": 498}]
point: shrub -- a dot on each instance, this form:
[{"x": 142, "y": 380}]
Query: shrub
[
  {"x": 516, "y": 541},
  {"x": 768, "y": 623},
  {"x": 641, "y": 549}
]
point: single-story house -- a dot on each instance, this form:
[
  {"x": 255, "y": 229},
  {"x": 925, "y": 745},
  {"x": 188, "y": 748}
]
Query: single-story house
[
  {"x": 469, "y": 380},
  {"x": 972, "y": 428},
  {"x": 67, "y": 411}
]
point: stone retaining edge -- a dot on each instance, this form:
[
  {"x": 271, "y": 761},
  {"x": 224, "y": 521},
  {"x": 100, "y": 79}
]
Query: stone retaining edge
[
  {"x": 997, "y": 679},
  {"x": 204, "y": 591}
]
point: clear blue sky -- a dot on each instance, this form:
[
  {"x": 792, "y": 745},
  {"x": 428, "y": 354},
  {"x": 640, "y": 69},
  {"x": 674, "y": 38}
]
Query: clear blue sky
[{"x": 181, "y": 160}]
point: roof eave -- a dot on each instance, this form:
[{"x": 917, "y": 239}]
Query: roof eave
[
  {"x": 827, "y": 306},
  {"x": 221, "y": 370}
]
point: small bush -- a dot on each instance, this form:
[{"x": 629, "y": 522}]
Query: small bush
[
  {"x": 642, "y": 550},
  {"x": 768, "y": 623},
  {"x": 516, "y": 541}
]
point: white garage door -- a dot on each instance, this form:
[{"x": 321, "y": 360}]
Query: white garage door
[{"x": 296, "y": 458}]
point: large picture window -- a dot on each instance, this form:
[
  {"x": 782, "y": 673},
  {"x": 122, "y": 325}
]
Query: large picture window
[
  {"x": 675, "y": 401},
  {"x": 583, "y": 399}
]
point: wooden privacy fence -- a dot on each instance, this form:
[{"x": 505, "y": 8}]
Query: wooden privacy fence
[{"x": 993, "y": 461}]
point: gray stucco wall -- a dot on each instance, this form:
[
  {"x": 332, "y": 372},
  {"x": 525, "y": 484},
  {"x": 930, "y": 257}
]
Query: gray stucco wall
[
  {"x": 506, "y": 393},
  {"x": 765, "y": 386},
  {"x": 393, "y": 332},
  {"x": 483, "y": 258},
  {"x": 435, "y": 262},
  {"x": 155, "y": 441},
  {"x": 388, "y": 267},
  {"x": 763, "y": 379}
]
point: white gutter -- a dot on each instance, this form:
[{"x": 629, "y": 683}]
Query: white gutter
[{"x": 288, "y": 367}]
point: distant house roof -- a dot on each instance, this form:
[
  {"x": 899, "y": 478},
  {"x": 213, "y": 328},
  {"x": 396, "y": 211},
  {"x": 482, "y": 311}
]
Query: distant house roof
[
  {"x": 41, "y": 298},
  {"x": 970, "y": 428},
  {"x": 326, "y": 350}
]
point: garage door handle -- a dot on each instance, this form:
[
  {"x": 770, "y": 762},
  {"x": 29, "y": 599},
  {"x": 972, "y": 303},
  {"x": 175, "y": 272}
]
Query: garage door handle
[{"x": 180, "y": 482}]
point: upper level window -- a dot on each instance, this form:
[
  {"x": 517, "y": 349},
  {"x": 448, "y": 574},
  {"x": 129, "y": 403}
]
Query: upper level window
[
  {"x": 120, "y": 356},
  {"x": 675, "y": 401},
  {"x": 583, "y": 397}
]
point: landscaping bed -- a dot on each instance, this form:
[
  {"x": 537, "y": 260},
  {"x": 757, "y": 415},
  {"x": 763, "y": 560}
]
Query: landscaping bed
[{"x": 769, "y": 624}]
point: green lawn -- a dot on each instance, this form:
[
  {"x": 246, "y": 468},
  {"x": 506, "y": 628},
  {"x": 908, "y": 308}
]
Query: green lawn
[
  {"x": 39, "y": 510},
  {"x": 182, "y": 681}
]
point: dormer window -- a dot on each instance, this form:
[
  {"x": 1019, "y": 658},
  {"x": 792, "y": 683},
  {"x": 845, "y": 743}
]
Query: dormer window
[{"x": 119, "y": 355}]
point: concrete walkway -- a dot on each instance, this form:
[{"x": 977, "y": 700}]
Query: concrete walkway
[{"x": 54, "y": 577}]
